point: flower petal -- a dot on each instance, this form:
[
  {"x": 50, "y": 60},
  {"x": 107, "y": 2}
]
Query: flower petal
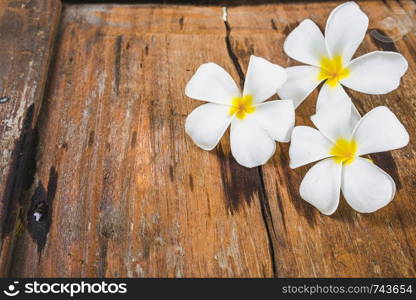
[
  {"x": 377, "y": 72},
  {"x": 345, "y": 30},
  {"x": 277, "y": 118},
  {"x": 213, "y": 84},
  {"x": 380, "y": 130},
  {"x": 335, "y": 120},
  {"x": 366, "y": 187},
  {"x": 307, "y": 145},
  {"x": 301, "y": 81},
  {"x": 263, "y": 79},
  {"x": 306, "y": 43},
  {"x": 207, "y": 123},
  {"x": 251, "y": 146},
  {"x": 321, "y": 186},
  {"x": 336, "y": 95}
]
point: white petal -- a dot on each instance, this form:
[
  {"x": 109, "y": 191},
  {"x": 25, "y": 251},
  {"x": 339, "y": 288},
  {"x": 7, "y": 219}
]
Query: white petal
[
  {"x": 307, "y": 145},
  {"x": 335, "y": 120},
  {"x": 380, "y": 130},
  {"x": 277, "y": 118},
  {"x": 213, "y": 84},
  {"x": 306, "y": 43},
  {"x": 207, "y": 123},
  {"x": 263, "y": 79},
  {"x": 378, "y": 72},
  {"x": 329, "y": 95},
  {"x": 301, "y": 81},
  {"x": 251, "y": 146},
  {"x": 366, "y": 187},
  {"x": 321, "y": 186},
  {"x": 345, "y": 30}
]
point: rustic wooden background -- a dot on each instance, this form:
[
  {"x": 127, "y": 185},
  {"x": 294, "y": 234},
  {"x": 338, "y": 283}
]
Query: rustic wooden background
[{"x": 93, "y": 138}]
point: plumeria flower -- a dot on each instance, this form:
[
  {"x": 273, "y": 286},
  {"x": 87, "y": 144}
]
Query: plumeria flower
[
  {"x": 339, "y": 145},
  {"x": 329, "y": 60},
  {"x": 255, "y": 124}
]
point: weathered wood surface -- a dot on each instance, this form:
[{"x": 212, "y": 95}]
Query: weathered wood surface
[
  {"x": 128, "y": 193},
  {"x": 27, "y": 31},
  {"x": 307, "y": 243}
]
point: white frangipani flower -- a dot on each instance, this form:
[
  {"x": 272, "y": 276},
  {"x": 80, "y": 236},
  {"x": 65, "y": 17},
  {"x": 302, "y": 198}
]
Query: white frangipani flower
[
  {"x": 255, "y": 124},
  {"x": 329, "y": 60},
  {"x": 339, "y": 144}
]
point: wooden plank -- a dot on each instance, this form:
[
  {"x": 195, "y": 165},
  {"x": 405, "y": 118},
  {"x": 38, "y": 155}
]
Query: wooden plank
[
  {"x": 129, "y": 194},
  {"x": 27, "y": 31},
  {"x": 347, "y": 243}
]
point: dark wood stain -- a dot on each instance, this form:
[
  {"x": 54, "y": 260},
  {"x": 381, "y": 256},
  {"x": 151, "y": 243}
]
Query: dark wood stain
[
  {"x": 19, "y": 173},
  {"x": 42, "y": 203},
  {"x": 240, "y": 184},
  {"x": 27, "y": 32},
  {"x": 103, "y": 248},
  {"x": 91, "y": 139},
  {"x": 134, "y": 139},
  {"x": 273, "y": 24},
  {"x": 171, "y": 173},
  {"x": 287, "y": 29},
  {"x": 294, "y": 179},
  {"x": 52, "y": 185},
  {"x": 181, "y": 22},
  {"x": 117, "y": 51},
  {"x": 191, "y": 182}
]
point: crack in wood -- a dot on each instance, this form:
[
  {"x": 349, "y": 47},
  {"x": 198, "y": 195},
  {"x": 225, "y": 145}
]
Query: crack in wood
[
  {"x": 232, "y": 55},
  {"x": 262, "y": 194},
  {"x": 268, "y": 223}
]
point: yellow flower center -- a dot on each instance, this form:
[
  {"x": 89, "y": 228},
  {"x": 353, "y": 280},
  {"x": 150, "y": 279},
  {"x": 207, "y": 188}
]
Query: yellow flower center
[
  {"x": 332, "y": 70},
  {"x": 344, "y": 151},
  {"x": 242, "y": 106}
]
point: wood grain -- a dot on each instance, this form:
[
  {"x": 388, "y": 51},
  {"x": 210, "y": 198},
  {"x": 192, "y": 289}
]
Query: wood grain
[
  {"x": 307, "y": 243},
  {"x": 124, "y": 192},
  {"x": 134, "y": 196},
  {"x": 27, "y": 31}
]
